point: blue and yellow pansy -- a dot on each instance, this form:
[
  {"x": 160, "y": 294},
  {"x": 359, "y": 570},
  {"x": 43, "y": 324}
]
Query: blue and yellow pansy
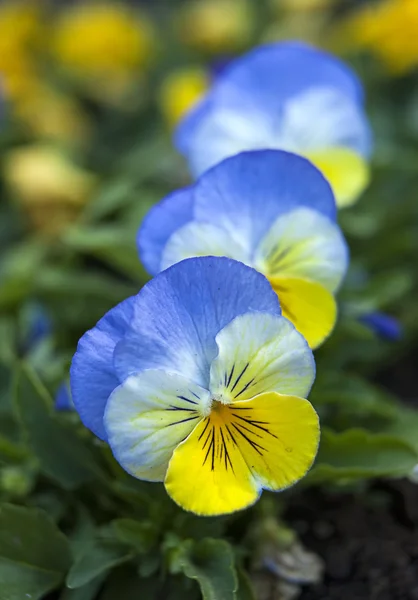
[
  {"x": 269, "y": 209},
  {"x": 284, "y": 96},
  {"x": 200, "y": 382}
]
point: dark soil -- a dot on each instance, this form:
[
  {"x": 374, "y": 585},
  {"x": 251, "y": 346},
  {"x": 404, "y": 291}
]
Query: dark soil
[{"x": 369, "y": 542}]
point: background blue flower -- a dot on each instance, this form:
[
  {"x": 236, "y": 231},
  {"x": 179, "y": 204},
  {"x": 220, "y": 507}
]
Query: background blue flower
[
  {"x": 286, "y": 96},
  {"x": 244, "y": 194},
  {"x": 63, "y": 400},
  {"x": 383, "y": 325}
]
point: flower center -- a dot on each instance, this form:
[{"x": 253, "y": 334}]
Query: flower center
[
  {"x": 218, "y": 407},
  {"x": 215, "y": 407},
  {"x": 228, "y": 429}
]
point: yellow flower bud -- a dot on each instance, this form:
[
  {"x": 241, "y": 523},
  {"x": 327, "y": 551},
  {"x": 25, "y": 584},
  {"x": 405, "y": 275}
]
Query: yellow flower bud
[
  {"x": 302, "y": 5},
  {"x": 180, "y": 91},
  {"x": 50, "y": 188},
  {"x": 217, "y": 26},
  {"x": 49, "y": 114}
]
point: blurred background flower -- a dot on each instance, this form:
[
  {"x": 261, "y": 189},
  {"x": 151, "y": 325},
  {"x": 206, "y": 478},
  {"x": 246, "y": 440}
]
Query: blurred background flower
[
  {"x": 387, "y": 28},
  {"x": 50, "y": 114},
  {"x": 48, "y": 186},
  {"x": 217, "y": 26},
  {"x": 302, "y": 19},
  {"x": 181, "y": 90},
  {"x": 105, "y": 47},
  {"x": 21, "y": 37}
]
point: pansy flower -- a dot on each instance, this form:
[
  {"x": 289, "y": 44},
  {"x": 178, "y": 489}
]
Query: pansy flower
[
  {"x": 284, "y": 96},
  {"x": 200, "y": 382},
  {"x": 269, "y": 209}
]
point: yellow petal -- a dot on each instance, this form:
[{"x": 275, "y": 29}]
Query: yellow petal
[
  {"x": 308, "y": 305},
  {"x": 269, "y": 441},
  {"x": 284, "y": 437},
  {"x": 346, "y": 171}
]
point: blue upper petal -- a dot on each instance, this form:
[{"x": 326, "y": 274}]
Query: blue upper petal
[
  {"x": 248, "y": 106},
  {"x": 162, "y": 220},
  {"x": 246, "y": 193},
  {"x": 243, "y": 195},
  {"x": 92, "y": 374},
  {"x": 281, "y": 70},
  {"x": 178, "y": 314}
]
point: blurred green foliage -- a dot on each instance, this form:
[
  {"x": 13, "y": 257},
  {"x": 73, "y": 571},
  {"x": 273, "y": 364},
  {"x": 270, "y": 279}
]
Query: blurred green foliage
[{"x": 70, "y": 518}]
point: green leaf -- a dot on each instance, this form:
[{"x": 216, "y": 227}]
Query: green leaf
[
  {"x": 62, "y": 454},
  {"x": 63, "y": 284},
  {"x": 134, "y": 587},
  {"x": 384, "y": 289},
  {"x": 83, "y": 533},
  {"x": 34, "y": 554},
  {"x": 113, "y": 244},
  {"x": 86, "y": 592},
  {"x": 19, "y": 268},
  {"x": 404, "y": 426},
  {"x": 245, "y": 589},
  {"x": 347, "y": 400},
  {"x": 11, "y": 452},
  {"x": 113, "y": 196},
  {"x": 211, "y": 563},
  {"x": 99, "y": 557},
  {"x": 358, "y": 454},
  {"x": 141, "y": 535},
  {"x": 8, "y": 337}
]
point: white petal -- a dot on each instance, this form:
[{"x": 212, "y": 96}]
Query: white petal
[
  {"x": 148, "y": 416},
  {"x": 304, "y": 243},
  {"x": 202, "y": 239},
  {"x": 260, "y": 352},
  {"x": 321, "y": 118}
]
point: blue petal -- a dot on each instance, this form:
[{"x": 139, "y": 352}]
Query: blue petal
[
  {"x": 277, "y": 96},
  {"x": 162, "y": 220},
  {"x": 178, "y": 314},
  {"x": 63, "y": 400},
  {"x": 246, "y": 193},
  {"x": 282, "y": 70},
  {"x": 92, "y": 374},
  {"x": 216, "y": 132},
  {"x": 268, "y": 76},
  {"x": 383, "y": 325}
]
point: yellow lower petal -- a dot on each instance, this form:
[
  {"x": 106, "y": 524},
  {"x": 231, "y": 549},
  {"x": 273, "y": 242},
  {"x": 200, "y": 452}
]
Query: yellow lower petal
[
  {"x": 346, "y": 171},
  {"x": 269, "y": 441},
  {"x": 207, "y": 473},
  {"x": 283, "y": 433},
  {"x": 308, "y": 305}
]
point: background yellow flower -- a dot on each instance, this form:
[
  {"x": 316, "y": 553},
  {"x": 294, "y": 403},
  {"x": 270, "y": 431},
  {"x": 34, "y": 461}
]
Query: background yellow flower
[
  {"x": 217, "y": 26},
  {"x": 180, "y": 91},
  {"x": 389, "y": 29},
  {"x": 105, "y": 46},
  {"x": 21, "y": 30},
  {"x": 51, "y": 189}
]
